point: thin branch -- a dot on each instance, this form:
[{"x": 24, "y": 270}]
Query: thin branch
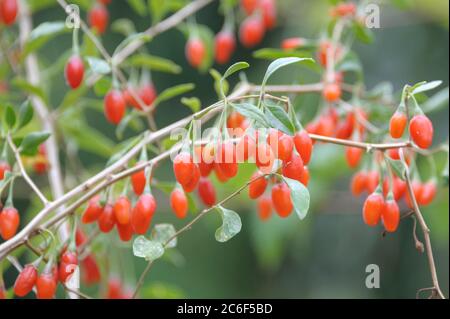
[
  {"x": 24, "y": 174},
  {"x": 76, "y": 292}
]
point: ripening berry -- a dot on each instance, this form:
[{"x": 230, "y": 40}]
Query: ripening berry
[
  {"x": 74, "y": 71},
  {"x": 269, "y": 11},
  {"x": 390, "y": 216},
  {"x": 264, "y": 158},
  {"x": 67, "y": 265},
  {"x": 98, "y": 18},
  {"x": 125, "y": 231},
  {"x": 322, "y": 54},
  {"x": 332, "y": 92},
  {"x": 183, "y": 167},
  {"x": 305, "y": 176},
  {"x": 220, "y": 174},
  {"x": 122, "y": 210},
  {"x": 147, "y": 93},
  {"x": 25, "y": 281},
  {"x": 359, "y": 183},
  {"x": 303, "y": 145},
  {"x": 258, "y": 186},
  {"x": 90, "y": 271},
  {"x": 285, "y": 146},
  {"x": 115, "y": 106},
  {"x": 93, "y": 211},
  {"x": 226, "y": 159},
  {"x": 343, "y": 9},
  {"x": 245, "y": 148},
  {"x": 251, "y": 31},
  {"x": 281, "y": 199},
  {"x": 224, "y": 46},
  {"x": 421, "y": 130},
  {"x": 264, "y": 205},
  {"x": 235, "y": 120},
  {"x": 138, "y": 181},
  {"x": 345, "y": 128},
  {"x": 8, "y": 11},
  {"x": 107, "y": 219},
  {"x": 193, "y": 182},
  {"x": 373, "y": 208},
  {"x": 143, "y": 213},
  {"x": 46, "y": 286},
  {"x": 429, "y": 190},
  {"x": 195, "y": 52},
  {"x": 9, "y": 222},
  {"x": 179, "y": 203},
  {"x": 326, "y": 126},
  {"x": 353, "y": 156},
  {"x": 205, "y": 159},
  {"x": 373, "y": 179},
  {"x": 80, "y": 237},
  {"x": 4, "y": 167},
  {"x": 293, "y": 168},
  {"x": 206, "y": 192},
  {"x": 129, "y": 96},
  {"x": 292, "y": 43},
  {"x": 249, "y": 5},
  {"x": 397, "y": 124},
  {"x": 398, "y": 188}
]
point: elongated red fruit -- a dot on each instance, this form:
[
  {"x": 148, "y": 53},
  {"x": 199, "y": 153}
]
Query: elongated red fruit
[
  {"x": 251, "y": 31},
  {"x": 143, "y": 213},
  {"x": 281, "y": 199},
  {"x": 8, "y": 11},
  {"x": 25, "y": 281},
  {"x": 303, "y": 145},
  {"x": 373, "y": 208},
  {"x": 9, "y": 222},
  {"x": 122, "y": 210},
  {"x": 195, "y": 52},
  {"x": 264, "y": 207},
  {"x": 206, "y": 192},
  {"x": 391, "y": 216},
  {"x": 397, "y": 124},
  {"x": 224, "y": 45},
  {"x": 179, "y": 203},
  {"x": 421, "y": 130},
  {"x": 115, "y": 106},
  {"x": 98, "y": 18},
  {"x": 183, "y": 168},
  {"x": 46, "y": 286},
  {"x": 74, "y": 71},
  {"x": 258, "y": 186},
  {"x": 138, "y": 181},
  {"x": 107, "y": 219},
  {"x": 93, "y": 210},
  {"x": 293, "y": 168}
]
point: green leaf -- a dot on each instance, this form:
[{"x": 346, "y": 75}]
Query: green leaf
[
  {"x": 193, "y": 103},
  {"x": 102, "y": 86},
  {"x": 162, "y": 233},
  {"x": 126, "y": 121},
  {"x": 138, "y": 6},
  {"x": 157, "y": 10},
  {"x": 154, "y": 63},
  {"x": 174, "y": 91},
  {"x": 148, "y": 249},
  {"x": 98, "y": 66},
  {"x": 219, "y": 84},
  {"x": 231, "y": 225},
  {"x": 436, "y": 102},
  {"x": 29, "y": 88},
  {"x": 299, "y": 196},
  {"x": 426, "y": 86},
  {"x": 31, "y": 142},
  {"x": 362, "y": 33},
  {"x": 279, "y": 63},
  {"x": 142, "y": 37},
  {"x": 235, "y": 68},
  {"x": 42, "y": 34},
  {"x": 273, "y": 54},
  {"x": 398, "y": 167},
  {"x": 123, "y": 26},
  {"x": 350, "y": 62},
  {"x": 26, "y": 113},
  {"x": 278, "y": 118},
  {"x": 251, "y": 112},
  {"x": 9, "y": 117}
]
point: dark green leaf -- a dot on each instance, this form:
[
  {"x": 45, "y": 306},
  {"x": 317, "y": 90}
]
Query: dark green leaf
[
  {"x": 398, "y": 167},
  {"x": 174, "y": 91},
  {"x": 278, "y": 118},
  {"x": 26, "y": 113},
  {"x": 193, "y": 103},
  {"x": 279, "y": 63},
  {"x": 9, "y": 117},
  {"x": 154, "y": 63},
  {"x": 251, "y": 112},
  {"x": 31, "y": 142}
]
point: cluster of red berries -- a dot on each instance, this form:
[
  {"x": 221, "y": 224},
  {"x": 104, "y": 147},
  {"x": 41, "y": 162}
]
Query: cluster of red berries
[
  {"x": 98, "y": 16},
  {"x": 8, "y": 11},
  {"x": 420, "y": 128},
  {"x": 260, "y": 16}
]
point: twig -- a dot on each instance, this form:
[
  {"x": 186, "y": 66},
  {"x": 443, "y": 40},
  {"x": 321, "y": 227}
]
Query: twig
[
  {"x": 77, "y": 292},
  {"x": 24, "y": 174}
]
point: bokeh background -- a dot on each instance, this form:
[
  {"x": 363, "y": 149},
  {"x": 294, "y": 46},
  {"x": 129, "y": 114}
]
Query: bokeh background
[{"x": 325, "y": 255}]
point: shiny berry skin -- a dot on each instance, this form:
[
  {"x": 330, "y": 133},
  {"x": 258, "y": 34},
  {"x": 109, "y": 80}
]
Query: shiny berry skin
[
  {"x": 332, "y": 92},
  {"x": 358, "y": 183},
  {"x": 98, "y": 18},
  {"x": 251, "y": 31},
  {"x": 390, "y": 216},
  {"x": 93, "y": 211},
  {"x": 235, "y": 120},
  {"x": 9, "y": 222},
  {"x": 115, "y": 106},
  {"x": 285, "y": 147},
  {"x": 25, "y": 281},
  {"x": 421, "y": 130},
  {"x": 195, "y": 52},
  {"x": 74, "y": 71},
  {"x": 397, "y": 124},
  {"x": 373, "y": 208},
  {"x": 353, "y": 156},
  {"x": 122, "y": 210},
  {"x": 147, "y": 94},
  {"x": 220, "y": 174},
  {"x": 281, "y": 199},
  {"x": 224, "y": 46},
  {"x": 4, "y": 167},
  {"x": 264, "y": 206},
  {"x": 264, "y": 158},
  {"x": 138, "y": 181},
  {"x": 269, "y": 11},
  {"x": 143, "y": 213},
  {"x": 125, "y": 231},
  {"x": 183, "y": 167},
  {"x": 293, "y": 168},
  {"x": 179, "y": 203},
  {"x": 193, "y": 182},
  {"x": 226, "y": 159},
  {"x": 305, "y": 176},
  {"x": 107, "y": 219},
  {"x": 69, "y": 260},
  {"x": 46, "y": 286},
  {"x": 206, "y": 192},
  {"x": 249, "y": 5},
  {"x": 429, "y": 190},
  {"x": 303, "y": 145},
  {"x": 90, "y": 271},
  {"x": 205, "y": 159},
  {"x": 258, "y": 185},
  {"x": 8, "y": 11}
]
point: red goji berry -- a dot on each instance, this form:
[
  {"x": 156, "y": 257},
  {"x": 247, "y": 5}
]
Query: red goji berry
[
  {"x": 107, "y": 219},
  {"x": 390, "y": 216},
  {"x": 46, "y": 286},
  {"x": 281, "y": 199},
  {"x": 206, "y": 192},
  {"x": 251, "y": 31},
  {"x": 397, "y": 124},
  {"x": 98, "y": 18},
  {"x": 373, "y": 208},
  {"x": 258, "y": 185},
  {"x": 74, "y": 71},
  {"x": 122, "y": 210},
  {"x": 195, "y": 52},
  {"x": 264, "y": 204},
  {"x": 303, "y": 145},
  {"x": 293, "y": 168},
  {"x": 25, "y": 281},
  {"x": 93, "y": 210},
  {"x": 359, "y": 183},
  {"x": 183, "y": 168},
  {"x": 138, "y": 181},
  {"x": 421, "y": 130},
  {"x": 9, "y": 222},
  {"x": 8, "y": 11},
  {"x": 224, "y": 46},
  {"x": 143, "y": 213},
  {"x": 179, "y": 203},
  {"x": 114, "y": 106}
]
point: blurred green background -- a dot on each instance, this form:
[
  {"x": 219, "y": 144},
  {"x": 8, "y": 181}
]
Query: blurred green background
[{"x": 325, "y": 255}]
